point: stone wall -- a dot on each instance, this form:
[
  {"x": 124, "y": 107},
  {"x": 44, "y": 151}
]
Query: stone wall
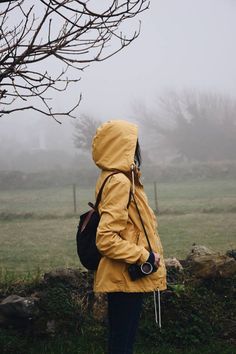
[{"x": 198, "y": 305}]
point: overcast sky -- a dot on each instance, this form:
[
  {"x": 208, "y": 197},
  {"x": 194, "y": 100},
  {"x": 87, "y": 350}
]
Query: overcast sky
[{"x": 183, "y": 44}]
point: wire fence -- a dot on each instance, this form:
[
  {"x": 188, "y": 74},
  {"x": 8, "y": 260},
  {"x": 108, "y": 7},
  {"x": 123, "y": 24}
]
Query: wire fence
[{"x": 67, "y": 200}]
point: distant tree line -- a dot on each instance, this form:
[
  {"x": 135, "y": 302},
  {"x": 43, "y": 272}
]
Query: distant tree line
[
  {"x": 197, "y": 126},
  {"x": 191, "y": 126}
]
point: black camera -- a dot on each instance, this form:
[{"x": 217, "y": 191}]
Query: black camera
[{"x": 139, "y": 271}]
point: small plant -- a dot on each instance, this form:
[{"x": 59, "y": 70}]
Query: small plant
[{"x": 178, "y": 289}]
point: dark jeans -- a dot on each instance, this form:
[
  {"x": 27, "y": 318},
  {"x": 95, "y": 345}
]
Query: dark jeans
[{"x": 123, "y": 316}]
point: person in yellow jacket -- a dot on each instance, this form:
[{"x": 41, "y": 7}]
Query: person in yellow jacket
[{"x": 121, "y": 238}]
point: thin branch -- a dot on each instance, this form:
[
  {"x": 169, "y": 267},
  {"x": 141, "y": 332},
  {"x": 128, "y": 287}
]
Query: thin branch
[
  {"x": 68, "y": 31},
  {"x": 50, "y": 113}
]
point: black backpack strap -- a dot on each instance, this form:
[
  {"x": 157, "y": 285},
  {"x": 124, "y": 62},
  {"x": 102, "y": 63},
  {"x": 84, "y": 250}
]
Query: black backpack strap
[{"x": 99, "y": 196}]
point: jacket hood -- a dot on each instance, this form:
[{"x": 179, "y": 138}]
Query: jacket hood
[{"x": 114, "y": 144}]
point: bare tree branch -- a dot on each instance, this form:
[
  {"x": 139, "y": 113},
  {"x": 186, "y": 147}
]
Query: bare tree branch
[
  {"x": 47, "y": 112},
  {"x": 71, "y": 32}
]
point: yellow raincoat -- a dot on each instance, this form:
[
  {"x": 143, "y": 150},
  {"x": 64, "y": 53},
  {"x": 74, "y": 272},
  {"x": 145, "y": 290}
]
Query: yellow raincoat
[{"x": 120, "y": 236}]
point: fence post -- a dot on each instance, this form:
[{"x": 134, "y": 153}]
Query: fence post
[
  {"x": 74, "y": 198},
  {"x": 155, "y": 197}
]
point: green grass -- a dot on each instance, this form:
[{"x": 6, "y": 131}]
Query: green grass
[
  {"x": 195, "y": 196},
  {"x": 37, "y": 233},
  {"x": 183, "y": 197},
  {"x": 179, "y": 232},
  {"x": 70, "y": 347},
  {"x": 53, "y": 201},
  {"x": 93, "y": 343},
  {"x": 27, "y": 245},
  {"x": 37, "y": 227}
]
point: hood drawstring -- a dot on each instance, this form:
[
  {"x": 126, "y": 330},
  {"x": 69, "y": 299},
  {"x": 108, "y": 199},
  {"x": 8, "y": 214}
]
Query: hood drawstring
[
  {"x": 133, "y": 183},
  {"x": 157, "y": 316}
]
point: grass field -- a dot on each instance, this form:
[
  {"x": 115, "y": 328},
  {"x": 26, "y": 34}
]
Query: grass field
[
  {"x": 37, "y": 233},
  {"x": 37, "y": 227}
]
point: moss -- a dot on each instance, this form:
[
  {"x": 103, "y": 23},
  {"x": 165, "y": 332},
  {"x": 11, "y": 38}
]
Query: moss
[
  {"x": 12, "y": 342},
  {"x": 193, "y": 312}
]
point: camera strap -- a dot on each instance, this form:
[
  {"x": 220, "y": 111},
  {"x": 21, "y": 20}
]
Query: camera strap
[
  {"x": 139, "y": 214},
  {"x": 157, "y": 313}
]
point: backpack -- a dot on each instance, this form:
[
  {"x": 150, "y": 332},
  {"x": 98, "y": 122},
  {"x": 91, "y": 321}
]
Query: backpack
[{"x": 86, "y": 234}]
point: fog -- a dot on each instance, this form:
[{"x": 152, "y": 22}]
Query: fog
[{"x": 185, "y": 44}]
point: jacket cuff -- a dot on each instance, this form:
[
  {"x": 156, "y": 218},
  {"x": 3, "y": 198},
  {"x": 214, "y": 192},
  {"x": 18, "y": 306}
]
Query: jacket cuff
[
  {"x": 144, "y": 256},
  {"x": 151, "y": 259}
]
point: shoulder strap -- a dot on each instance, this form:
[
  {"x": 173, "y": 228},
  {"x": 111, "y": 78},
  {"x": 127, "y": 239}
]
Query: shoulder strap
[{"x": 99, "y": 196}]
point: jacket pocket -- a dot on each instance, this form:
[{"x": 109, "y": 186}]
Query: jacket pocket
[{"x": 111, "y": 270}]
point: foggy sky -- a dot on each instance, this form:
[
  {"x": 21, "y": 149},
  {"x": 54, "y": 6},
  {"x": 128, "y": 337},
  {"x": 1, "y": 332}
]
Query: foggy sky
[{"x": 183, "y": 44}]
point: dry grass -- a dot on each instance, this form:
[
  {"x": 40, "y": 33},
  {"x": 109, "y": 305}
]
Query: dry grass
[{"x": 37, "y": 227}]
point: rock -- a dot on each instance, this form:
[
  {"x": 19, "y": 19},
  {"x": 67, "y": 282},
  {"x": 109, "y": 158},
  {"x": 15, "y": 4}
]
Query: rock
[
  {"x": 199, "y": 250},
  {"x": 17, "y": 311},
  {"x": 2, "y": 319},
  {"x": 17, "y": 306},
  {"x": 73, "y": 278},
  {"x": 211, "y": 265},
  {"x": 174, "y": 271},
  {"x": 231, "y": 253},
  {"x": 51, "y": 327},
  {"x": 63, "y": 273},
  {"x": 173, "y": 263}
]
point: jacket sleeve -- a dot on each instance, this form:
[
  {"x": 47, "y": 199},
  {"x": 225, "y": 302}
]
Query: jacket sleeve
[{"x": 113, "y": 220}]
